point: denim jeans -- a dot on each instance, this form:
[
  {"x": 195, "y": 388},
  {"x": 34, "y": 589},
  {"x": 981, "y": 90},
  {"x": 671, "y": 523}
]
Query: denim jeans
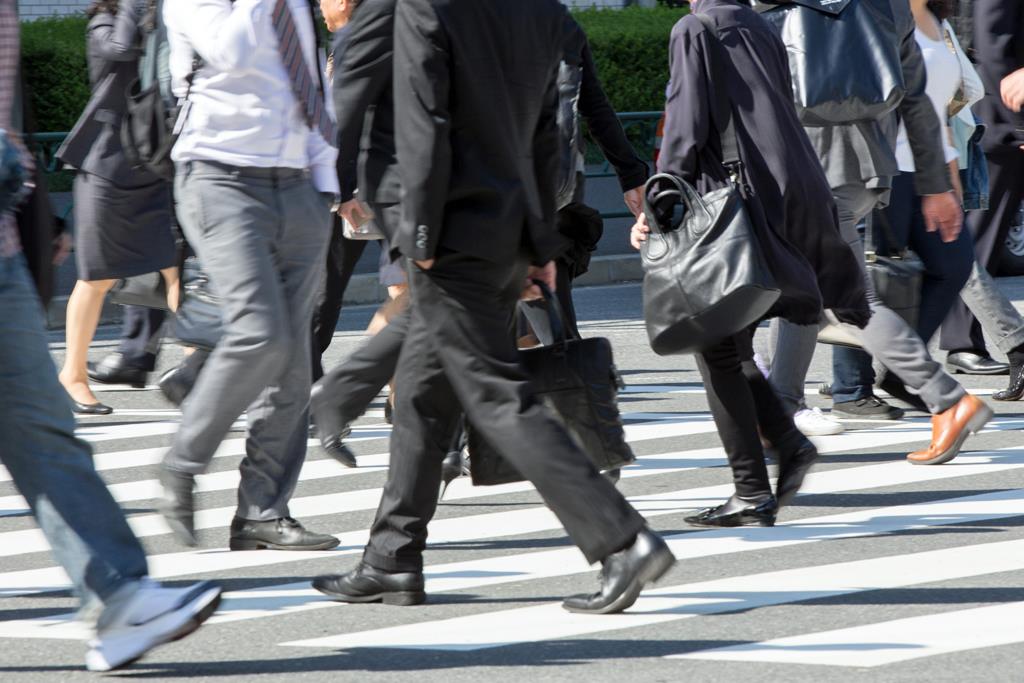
[{"x": 52, "y": 468}]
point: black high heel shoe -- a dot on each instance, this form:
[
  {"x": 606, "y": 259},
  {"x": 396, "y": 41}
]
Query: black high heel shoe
[
  {"x": 1015, "y": 390},
  {"x": 452, "y": 467},
  {"x": 90, "y": 408}
]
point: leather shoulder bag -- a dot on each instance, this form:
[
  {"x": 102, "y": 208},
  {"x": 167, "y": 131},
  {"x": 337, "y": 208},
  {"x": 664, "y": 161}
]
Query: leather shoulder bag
[
  {"x": 705, "y": 275},
  {"x": 577, "y": 379}
]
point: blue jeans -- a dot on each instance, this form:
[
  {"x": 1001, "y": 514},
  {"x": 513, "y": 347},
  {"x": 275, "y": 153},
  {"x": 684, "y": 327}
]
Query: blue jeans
[{"x": 52, "y": 468}]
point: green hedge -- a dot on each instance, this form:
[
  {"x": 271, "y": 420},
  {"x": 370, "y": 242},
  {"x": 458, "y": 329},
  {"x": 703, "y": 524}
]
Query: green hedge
[
  {"x": 53, "y": 57},
  {"x": 630, "y": 48}
]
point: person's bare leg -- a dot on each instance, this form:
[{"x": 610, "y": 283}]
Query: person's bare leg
[
  {"x": 172, "y": 279},
  {"x": 83, "y": 314}
]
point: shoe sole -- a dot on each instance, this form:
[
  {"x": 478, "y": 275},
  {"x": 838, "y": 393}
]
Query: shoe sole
[
  {"x": 701, "y": 525},
  {"x": 246, "y": 544},
  {"x": 985, "y": 373},
  {"x": 206, "y": 604},
  {"x": 394, "y": 598},
  {"x": 974, "y": 425},
  {"x": 656, "y": 569},
  {"x": 831, "y": 431},
  {"x": 895, "y": 417}
]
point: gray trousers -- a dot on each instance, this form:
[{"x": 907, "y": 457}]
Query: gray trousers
[
  {"x": 887, "y": 337},
  {"x": 261, "y": 235},
  {"x": 993, "y": 310}
]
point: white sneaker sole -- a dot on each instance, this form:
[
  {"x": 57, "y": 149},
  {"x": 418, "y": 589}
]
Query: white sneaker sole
[{"x": 129, "y": 644}]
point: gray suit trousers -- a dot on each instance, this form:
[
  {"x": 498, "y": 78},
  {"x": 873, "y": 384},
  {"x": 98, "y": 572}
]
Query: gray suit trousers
[{"x": 261, "y": 235}]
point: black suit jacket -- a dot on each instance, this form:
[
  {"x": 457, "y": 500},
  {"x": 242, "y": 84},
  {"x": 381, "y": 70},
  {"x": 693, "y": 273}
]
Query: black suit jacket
[
  {"x": 999, "y": 49},
  {"x": 364, "y": 105},
  {"x": 475, "y": 106}
]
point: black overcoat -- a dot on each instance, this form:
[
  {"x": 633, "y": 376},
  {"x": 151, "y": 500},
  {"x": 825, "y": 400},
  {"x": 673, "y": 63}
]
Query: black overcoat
[{"x": 791, "y": 195}]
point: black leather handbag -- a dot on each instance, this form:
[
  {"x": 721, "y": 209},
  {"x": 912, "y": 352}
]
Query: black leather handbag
[
  {"x": 844, "y": 56},
  {"x": 577, "y": 379},
  {"x": 897, "y": 276},
  {"x": 148, "y": 290},
  {"x": 198, "y": 321}
]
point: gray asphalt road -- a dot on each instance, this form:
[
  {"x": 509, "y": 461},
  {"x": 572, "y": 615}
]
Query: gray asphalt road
[{"x": 879, "y": 572}]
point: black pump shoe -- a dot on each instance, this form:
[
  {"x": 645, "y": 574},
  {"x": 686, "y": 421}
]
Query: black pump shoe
[
  {"x": 624, "y": 574},
  {"x": 452, "y": 467},
  {"x": 330, "y": 428},
  {"x": 737, "y": 512},
  {"x": 369, "y": 584},
  {"x": 1015, "y": 390},
  {"x": 90, "y": 408}
]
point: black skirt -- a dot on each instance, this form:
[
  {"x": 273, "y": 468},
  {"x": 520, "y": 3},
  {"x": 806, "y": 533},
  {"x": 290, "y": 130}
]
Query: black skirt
[{"x": 121, "y": 232}]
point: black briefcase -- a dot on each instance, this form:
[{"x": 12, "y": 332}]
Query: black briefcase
[{"x": 577, "y": 379}]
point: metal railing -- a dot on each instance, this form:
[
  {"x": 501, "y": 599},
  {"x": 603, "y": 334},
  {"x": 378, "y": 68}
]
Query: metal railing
[{"x": 641, "y": 129}]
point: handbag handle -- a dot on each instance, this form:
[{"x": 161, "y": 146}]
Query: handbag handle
[
  {"x": 686, "y": 193},
  {"x": 556, "y": 316}
]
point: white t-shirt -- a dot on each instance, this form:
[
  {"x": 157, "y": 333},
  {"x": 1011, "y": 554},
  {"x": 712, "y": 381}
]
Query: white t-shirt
[{"x": 944, "y": 77}]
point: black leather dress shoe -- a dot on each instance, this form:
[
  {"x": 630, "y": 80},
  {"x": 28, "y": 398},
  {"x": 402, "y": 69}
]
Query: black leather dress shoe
[
  {"x": 176, "y": 384},
  {"x": 894, "y": 386},
  {"x": 113, "y": 370},
  {"x": 1015, "y": 390},
  {"x": 90, "y": 408},
  {"x": 176, "y": 504},
  {"x": 284, "y": 533},
  {"x": 737, "y": 512},
  {"x": 331, "y": 429},
  {"x": 971, "y": 363},
  {"x": 368, "y": 584},
  {"x": 624, "y": 574},
  {"x": 795, "y": 460}
]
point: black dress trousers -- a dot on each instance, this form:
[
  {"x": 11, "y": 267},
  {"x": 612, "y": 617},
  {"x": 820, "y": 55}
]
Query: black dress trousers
[
  {"x": 460, "y": 355},
  {"x": 140, "y": 336}
]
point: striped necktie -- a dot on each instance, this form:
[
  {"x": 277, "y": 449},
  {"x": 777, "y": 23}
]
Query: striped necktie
[{"x": 304, "y": 86}]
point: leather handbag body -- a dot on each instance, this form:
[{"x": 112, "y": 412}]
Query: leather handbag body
[
  {"x": 705, "y": 277},
  {"x": 148, "y": 290},
  {"x": 844, "y": 56},
  {"x": 577, "y": 379},
  {"x": 897, "y": 278}
]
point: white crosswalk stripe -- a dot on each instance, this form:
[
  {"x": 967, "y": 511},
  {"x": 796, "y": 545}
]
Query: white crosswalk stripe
[{"x": 676, "y": 453}]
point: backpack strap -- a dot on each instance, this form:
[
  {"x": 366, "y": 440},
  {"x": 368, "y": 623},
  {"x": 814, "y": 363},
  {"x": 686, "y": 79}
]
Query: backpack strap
[{"x": 729, "y": 139}]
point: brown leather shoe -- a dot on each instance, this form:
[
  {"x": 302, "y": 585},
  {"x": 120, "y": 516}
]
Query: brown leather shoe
[{"x": 950, "y": 429}]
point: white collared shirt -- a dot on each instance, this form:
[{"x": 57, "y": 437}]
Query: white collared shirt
[{"x": 241, "y": 108}]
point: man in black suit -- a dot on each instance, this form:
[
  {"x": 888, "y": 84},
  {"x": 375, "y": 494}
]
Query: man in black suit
[
  {"x": 366, "y": 124},
  {"x": 475, "y": 110}
]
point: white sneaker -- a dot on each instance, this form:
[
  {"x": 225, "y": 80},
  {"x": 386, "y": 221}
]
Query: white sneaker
[
  {"x": 813, "y": 422},
  {"x": 145, "y": 614}
]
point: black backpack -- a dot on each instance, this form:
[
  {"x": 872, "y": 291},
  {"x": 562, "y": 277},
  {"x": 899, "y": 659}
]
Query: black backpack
[{"x": 148, "y": 130}]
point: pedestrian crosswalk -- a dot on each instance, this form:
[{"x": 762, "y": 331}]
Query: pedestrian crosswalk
[{"x": 866, "y": 523}]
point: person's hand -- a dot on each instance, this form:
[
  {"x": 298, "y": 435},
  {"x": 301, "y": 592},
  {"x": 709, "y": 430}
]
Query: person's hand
[
  {"x": 638, "y": 234},
  {"x": 61, "y": 248},
  {"x": 546, "y": 274},
  {"x": 1012, "y": 90},
  {"x": 958, "y": 187},
  {"x": 355, "y": 212},
  {"x": 635, "y": 200},
  {"x": 942, "y": 213},
  {"x": 426, "y": 264}
]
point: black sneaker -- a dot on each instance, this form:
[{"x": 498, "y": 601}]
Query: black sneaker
[{"x": 869, "y": 408}]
